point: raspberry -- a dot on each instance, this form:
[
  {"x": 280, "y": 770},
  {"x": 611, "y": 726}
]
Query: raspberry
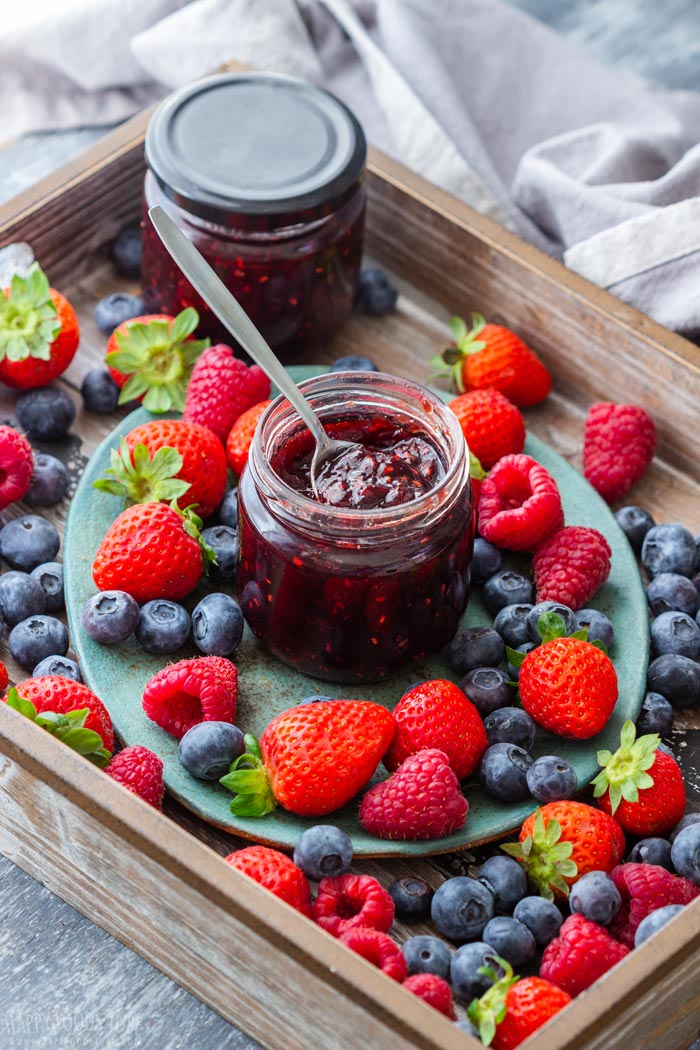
[
  {"x": 421, "y": 800},
  {"x": 643, "y": 888},
  {"x": 4, "y": 678},
  {"x": 379, "y": 949},
  {"x": 619, "y": 442},
  {"x": 433, "y": 990},
  {"x": 56, "y": 693},
  {"x": 16, "y": 466},
  {"x": 352, "y": 900},
  {"x": 222, "y": 388},
  {"x": 139, "y": 770},
  {"x": 581, "y": 953},
  {"x": 492, "y": 425},
  {"x": 276, "y": 872},
  {"x": 240, "y": 437},
  {"x": 571, "y": 565},
  {"x": 520, "y": 505},
  {"x": 204, "y": 689}
]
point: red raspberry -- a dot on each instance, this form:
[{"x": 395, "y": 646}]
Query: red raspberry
[
  {"x": 4, "y": 677},
  {"x": 643, "y": 888},
  {"x": 492, "y": 425},
  {"x": 619, "y": 442},
  {"x": 581, "y": 953},
  {"x": 16, "y": 465},
  {"x": 433, "y": 990},
  {"x": 52, "y": 692},
  {"x": 571, "y": 565},
  {"x": 139, "y": 770},
  {"x": 352, "y": 900},
  {"x": 519, "y": 504},
  {"x": 437, "y": 714},
  {"x": 222, "y": 388},
  {"x": 379, "y": 949},
  {"x": 204, "y": 689},
  {"x": 240, "y": 437},
  {"x": 276, "y": 872},
  {"x": 421, "y": 800}
]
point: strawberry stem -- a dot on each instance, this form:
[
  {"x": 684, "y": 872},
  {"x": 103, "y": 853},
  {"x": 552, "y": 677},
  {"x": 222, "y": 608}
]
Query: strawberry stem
[
  {"x": 142, "y": 478},
  {"x": 68, "y": 727},
  {"x": 546, "y": 860},
  {"x": 488, "y": 1011},
  {"x": 28, "y": 318},
  {"x": 624, "y": 773},
  {"x": 249, "y": 782}
]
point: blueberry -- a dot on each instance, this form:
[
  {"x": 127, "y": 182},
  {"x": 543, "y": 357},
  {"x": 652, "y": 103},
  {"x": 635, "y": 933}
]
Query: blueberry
[
  {"x": 228, "y": 509},
  {"x": 315, "y": 698},
  {"x": 506, "y": 879},
  {"x": 110, "y": 616},
  {"x": 507, "y": 588},
  {"x": 503, "y": 772},
  {"x": 45, "y": 414},
  {"x": 597, "y": 624},
  {"x": 685, "y": 850},
  {"x": 33, "y": 639},
  {"x": 116, "y": 308},
  {"x": 224, "y": 542},
  {"x": 20, "y": 596},
  {"x": 62, "y": 666},
  {"x": 510, "y": 939},
  {"x": 411, "y": 897},
  {"x": 656, "y": 715},
  {"x": 476, "y": 647},
  {"x": 466, "y": 963},
  {"x": 563, "y": 611},
  {"x": 510, "y": 725},
  {"x": 29, "y": 541},
  {"x": 551, "y": 779},
  {"x": 427, "y": 954},
  {"x": 654, "y": 921},
  {"x": 163, "y": 626},
  {"x": 461, "y": 907},
  {"x": 685, "y": 822},
  {"x": 375, "y": 293},
  {"x": 126, "y": 251},
  {"x": 488, "y": 689},
  {"x": 669, "y": 592},
  {"x": 652, "y": 851},
  {"x": 675, "y": 632},
  {"x": 542, "y": 918},
  {"x": 207, "y": 750},
  {"x": 675, "y": 677},
  {"x": 50, "y": 577},
  {"x": 49, "y": 482},
  {"x": 669, "y": 548},
  {"x": 353, "y": 363},
  {"x": 99, "y": 391},
  {"x": 217, "y": 624},
  {"x": 513, "y": 671},
  {"x": 511, "y": 624},
  {"x": 486, "y": 560},
  {"x": 323, "y": 851},
  {"x": 596, "y": 897},
  {"x": 635, "y": 523}
]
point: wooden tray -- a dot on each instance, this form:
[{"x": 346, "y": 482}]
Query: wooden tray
[{"x": 159, "y": 884}]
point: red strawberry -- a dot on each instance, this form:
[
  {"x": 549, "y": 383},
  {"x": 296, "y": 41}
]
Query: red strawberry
[
  {"x": 16, "y": 465},
  {"x": 437, "y": 714},
  {"x": 141, "y": 771},
  {"x": 151, "y": 358},
  {"x": 619, "y": 442},
  {"x": 241, "y": 436},
  {"x": 69, "y": 727},
  {"x": 421, "y": 800},
  {"x": 352, "y": 900},
  {"x": 581, "y": 952},
  {"x": 61, "y": 695},
  {"x": 4, "y": 677},
  {"x": 152, "y": 551},
  {"x": 379, "y": 949},
  {"x": 432, "y": 990},
  {"x": 39, "y": 332},
  {"x": 644, "y": 888},
  {"x": 520, "y": 505},
  {"x": 492, "y": 425},
  {"x": 571, "y": 565},
  {"x": 204, "y": 689},
  {"x": 222, "y": 388},
  {"x": 311, "y": 759},
  {"x": 276, "y": 872},
  {"x": 512, "y": 1009}
]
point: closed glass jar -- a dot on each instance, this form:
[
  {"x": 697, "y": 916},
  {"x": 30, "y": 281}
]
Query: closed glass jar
[
  {"x": 264, "y": 173},
  {"x": 345, "y": 594}
]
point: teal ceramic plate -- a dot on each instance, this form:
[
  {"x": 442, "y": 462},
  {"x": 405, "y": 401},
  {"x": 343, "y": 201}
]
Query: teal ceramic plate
[{"x": 118, "y": 674}]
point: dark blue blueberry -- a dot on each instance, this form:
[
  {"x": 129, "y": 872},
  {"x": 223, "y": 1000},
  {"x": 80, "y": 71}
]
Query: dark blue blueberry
[
  {"x": 427, "y": 954},
  {"x": 510, "y": 725},
  {"x": 685, "y": 822},
  {"x": 207, "y": 750},
  {"x": 323, "y": 851},
  {"x": 411, "y": 897},
  {"x": 685, "y": 851},
  {"x": 217, "y": 624},
  {"x": 353, "y": 363},
  {"x": 654, "y": 921},
  {"x": 598, "y": 625},
  {"x": 375, "y": 293},
  {"x": 510, "y": 939},
  {"x": 461, "y": 907},
  {"x": 467, "y": 982},
  {"x": 635, "y": 523},
  {"x": 551, "y": 779},
  {"x": 50, "y": 577},
  {"x": 29, "y": 541},
  {"x": 486, "y": 560},
  {"x": 675, "y": 677},
  {"x": 511, "y": 624},
  {"x": 476, "y": 647},
  {"x": 20, "y": 596},
  {"x": 656, "y": 715},
  {"x": 596, "y": 897},
  {"x": 677, "y": 633},
  {"x": 99, "y": 391},
  {"x": 45, "y": 414},
  {"x": 316, "y": 698},
  {"x": 652, "y": 851},
  {"x": 506, "y": 879},
  {"x": 49, "y": 482},
  {"x": 63, "y": 666},
  {"x": 487, "y": 688},
  {"x": 163, "y": 627},
  {"x": 669, "y": 592},
  {"x": 513, "y": 671},
  {"x": 503, "y": 772},
  {"x": 223, "y": 540},
  {"x": 669, "y": 548},
  {"x": 533, "y": 620},
  {"x": 37, "y": 637},
  {"x": 228, "y": 509},
  {"x": 507, "y": 588},
  {"x": 116, "y": 308},
  {"x": 126, "y": 251},
  {"x": 110, "y": 616},
  {"x": 542, "y": 918}
]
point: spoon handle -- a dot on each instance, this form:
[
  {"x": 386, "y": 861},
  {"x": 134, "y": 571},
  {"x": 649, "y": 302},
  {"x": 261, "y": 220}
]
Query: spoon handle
[{"x": 231, "y": 314}]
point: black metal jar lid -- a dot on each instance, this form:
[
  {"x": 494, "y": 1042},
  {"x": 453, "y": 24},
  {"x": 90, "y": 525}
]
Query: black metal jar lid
[{"x": 254, "y": 144}]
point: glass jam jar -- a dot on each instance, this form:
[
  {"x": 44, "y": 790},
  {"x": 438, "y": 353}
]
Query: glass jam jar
[
  {"x": 264, "y": 173},
  {"x": 354, "y": 594}
]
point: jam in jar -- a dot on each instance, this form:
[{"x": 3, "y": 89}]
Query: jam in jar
[
  {"x": 264, "y": 174},
  {"x": 370, "y": 574}
]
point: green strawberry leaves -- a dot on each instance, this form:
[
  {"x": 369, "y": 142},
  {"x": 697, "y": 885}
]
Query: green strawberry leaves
[
  {"x": 68, "y": 727},
  {"x": 487, "y": 1012},
  {"x": 28, "y": 318},
  {"x": 624, "y": 773},
  {"x": 248, "y": 781},
  {"x": 465, "y": 343},
  {"x": 192, "y": 524},
  {"x": 546, "y": 859},
  {"x": 142, "y": 478}
]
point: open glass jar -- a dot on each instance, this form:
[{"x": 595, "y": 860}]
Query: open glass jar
[{"x": 346, "y": 594}]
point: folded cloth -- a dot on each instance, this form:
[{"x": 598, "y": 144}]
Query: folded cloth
[{"x": 592, "y": 165}]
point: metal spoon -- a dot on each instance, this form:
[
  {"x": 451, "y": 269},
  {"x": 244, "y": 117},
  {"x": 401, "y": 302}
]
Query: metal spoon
[{"x": 231, "y": 314}]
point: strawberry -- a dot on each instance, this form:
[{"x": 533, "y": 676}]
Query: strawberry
[
  {"x": 512, "y": 1009},
  {"x": 69, "y": 727},
  {"x": 581, "y": 952},
  {"x": 240, "y": 437},
  {"x": 152, "y": 550},
  {"x": 16, "y": 465},
  {"x": 141, "y": 771},
  {"x": 222, "y": 388},
  {"x": 276, "y": 872},
  {"x": 640, "y": 786},
  {"x": 489, "y": 355},
  {"x": 311, "y": 759},
  {"x": 491, "y": 424},
  {"x": 421, "y": 800},
  {"x": 520, "y": 505},
  {"x": 644, "y": 888},
  {"x": 437, "y": 714},
  {"x": 352, "y": 900},
  {"x": 619, "y": 442},
  {"x": 571, "y": 565},
  {"x": 563, "y": 841},
  {"x": 151, "y": 358},
  {"x": 63, "y": 695},
  {"x": 39, "y": 331},
  {"x": 4, "y": 677},
  {"x": 203, "y": 689},
  {"x": 379, "y": 949},
  {"x": 432, "y": 990},
  {"x": 155, "y": 454}
]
